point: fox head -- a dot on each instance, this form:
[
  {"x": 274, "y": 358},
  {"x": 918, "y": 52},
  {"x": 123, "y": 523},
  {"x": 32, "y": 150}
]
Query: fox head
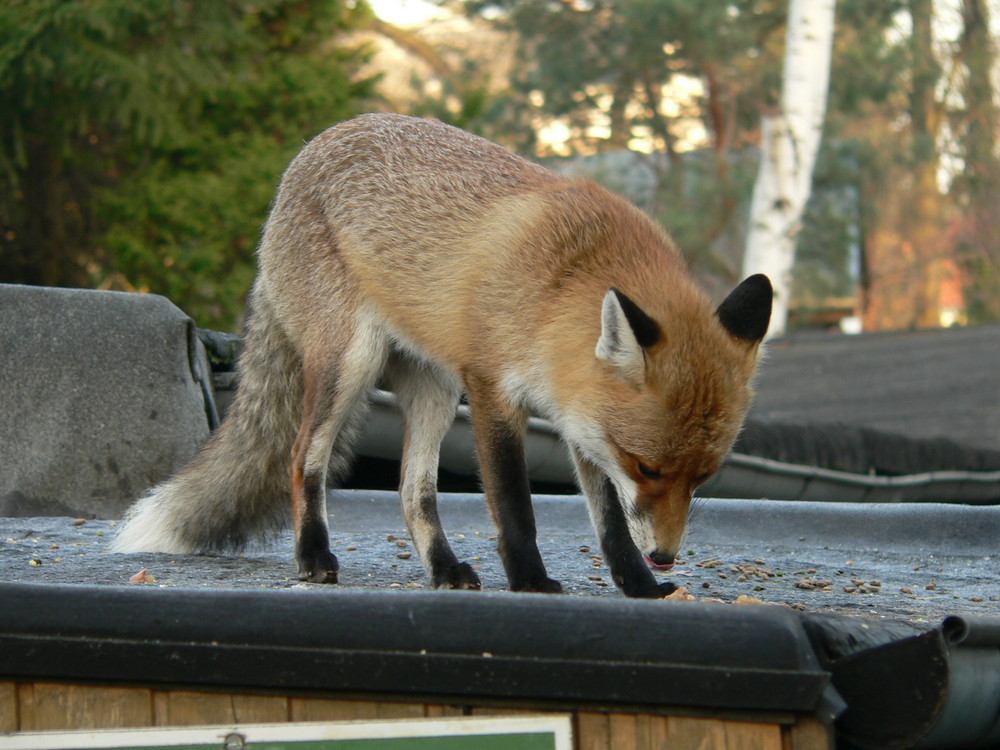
[{"x": 670, "y": 400}]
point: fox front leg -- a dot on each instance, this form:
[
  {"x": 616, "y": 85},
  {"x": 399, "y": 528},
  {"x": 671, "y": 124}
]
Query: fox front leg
[
  {"x": 427, "y": 397},
  {"x": 628, "y": 568},
  {"x": 500, "y": 445}
]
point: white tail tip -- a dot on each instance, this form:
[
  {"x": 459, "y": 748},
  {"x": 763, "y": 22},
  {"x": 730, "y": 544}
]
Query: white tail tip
[{"x": 149, "y": 526}]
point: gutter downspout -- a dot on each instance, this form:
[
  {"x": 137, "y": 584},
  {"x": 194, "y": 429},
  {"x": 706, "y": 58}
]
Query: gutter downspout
[{"x": 933, "y": 690}]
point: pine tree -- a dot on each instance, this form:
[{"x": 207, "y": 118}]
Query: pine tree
[{"x": 142, "y": 141}]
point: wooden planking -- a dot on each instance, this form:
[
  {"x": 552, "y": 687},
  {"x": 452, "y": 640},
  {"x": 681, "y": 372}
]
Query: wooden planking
[
  {"x": 325, "y": 709},
  {"x": 161, "y": 708},
  {"x": 592, "y": 732},
  {"x": 186, "y": 708},
  {"x": 640, "y": 731},
  {"x": 183, "y": 708},
  {"x": 653, "y": 731},
  {"x": 260, "y": 709},
  {"x": 713, "y": 734},
  {"x": 54, "y": 706},
  {"x": 621, "y": 731},
  {"x": 8, "y": 707},
  {"x": 25, "y": 706},
  {"x": 432, "y": 711},
  {"x": 809, "y": 734},
  {"x": 46, "y": 706}
]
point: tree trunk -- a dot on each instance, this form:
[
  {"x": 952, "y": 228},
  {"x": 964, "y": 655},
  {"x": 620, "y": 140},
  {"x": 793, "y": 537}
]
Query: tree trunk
[
  {"x": 923, "y": 225},
  {"x": 909, "y": 251},
  {"x": 790, "y": 140},
  {"x": 621, "y": 126},
  {"x": 980, "y": 182}
]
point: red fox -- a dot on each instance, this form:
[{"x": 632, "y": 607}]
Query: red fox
[{"x": 411, "y": 251}]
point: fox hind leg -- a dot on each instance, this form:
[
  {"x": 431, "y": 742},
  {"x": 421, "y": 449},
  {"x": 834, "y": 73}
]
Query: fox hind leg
[
  {"x": 335, "y": 392},
  {"x": 427, "y": 397}
]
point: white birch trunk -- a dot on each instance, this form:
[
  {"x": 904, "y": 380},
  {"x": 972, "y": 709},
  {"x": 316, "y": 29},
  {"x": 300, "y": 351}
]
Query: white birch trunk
[{"x": 789, "y": 142}]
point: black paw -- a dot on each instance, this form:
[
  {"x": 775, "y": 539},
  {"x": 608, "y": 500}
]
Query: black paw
[
  {"x": 318, "y": 567},
  {"x": 655, "y": 591},
  {"x": 459, "y": 575},
  {"x": 542, "y": 586}
]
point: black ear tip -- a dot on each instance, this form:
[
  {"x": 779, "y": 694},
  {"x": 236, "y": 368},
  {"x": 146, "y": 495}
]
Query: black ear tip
[
  {"x": 646, "y": 330},
  {"x": 746, "y": 312}
]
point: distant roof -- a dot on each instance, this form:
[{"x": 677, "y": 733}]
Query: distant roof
[{"x": 920, "y": 384}]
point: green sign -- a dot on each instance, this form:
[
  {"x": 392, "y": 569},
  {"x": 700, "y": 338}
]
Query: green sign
[{"x": 472, "y": 733}]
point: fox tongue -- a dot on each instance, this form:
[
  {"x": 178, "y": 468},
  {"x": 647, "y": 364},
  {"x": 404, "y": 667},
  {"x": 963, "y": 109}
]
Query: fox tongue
[{"x": 655, "y": 566}]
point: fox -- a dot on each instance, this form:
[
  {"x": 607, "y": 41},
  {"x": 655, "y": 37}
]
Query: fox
[{"x": 406, "y": 252}]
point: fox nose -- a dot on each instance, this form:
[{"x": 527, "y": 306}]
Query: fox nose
[{"x": 661, "y": 560}]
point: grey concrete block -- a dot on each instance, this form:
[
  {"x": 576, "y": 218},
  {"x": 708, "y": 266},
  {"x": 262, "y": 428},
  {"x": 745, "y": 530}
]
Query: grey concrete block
[{"x": 102, "y": 394}]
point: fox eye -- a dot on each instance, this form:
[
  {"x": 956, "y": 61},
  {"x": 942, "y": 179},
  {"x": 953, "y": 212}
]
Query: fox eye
[{"x": 647, "y": 471}]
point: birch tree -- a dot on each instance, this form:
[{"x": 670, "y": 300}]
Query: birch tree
[{"x": 790, "y": 137}]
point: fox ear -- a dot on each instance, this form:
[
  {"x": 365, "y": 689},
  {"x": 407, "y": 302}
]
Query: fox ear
[
  {"x": 625, "y": 331},
  {"x": 746, "y": 312}
]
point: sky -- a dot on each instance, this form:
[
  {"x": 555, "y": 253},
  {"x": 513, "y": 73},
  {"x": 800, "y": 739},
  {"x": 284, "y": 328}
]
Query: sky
[{"x": 405, "y": 12}]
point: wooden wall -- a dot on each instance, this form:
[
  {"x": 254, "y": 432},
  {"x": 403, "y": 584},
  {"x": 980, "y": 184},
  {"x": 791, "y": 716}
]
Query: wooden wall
[{"x": 43, "y": 706}]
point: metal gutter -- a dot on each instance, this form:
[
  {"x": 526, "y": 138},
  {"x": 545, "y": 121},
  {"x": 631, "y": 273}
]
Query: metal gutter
[
  {"x": 904, "y": 688},
  {"x": 756, "y": 477},
  {"x": 742, "y": 476},
  {"x": 971, "y": 713}
]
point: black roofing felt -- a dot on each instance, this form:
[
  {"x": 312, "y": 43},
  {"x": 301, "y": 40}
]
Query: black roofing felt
[
  {"x": 888, "y": 684},
  {"x": 930, "y": 560},
  {"x": 918, "y": 384},
  {"x": 861, "y": 450},
  {"x": 251, "y": 625},
  {"x": 536, "y": 648}
]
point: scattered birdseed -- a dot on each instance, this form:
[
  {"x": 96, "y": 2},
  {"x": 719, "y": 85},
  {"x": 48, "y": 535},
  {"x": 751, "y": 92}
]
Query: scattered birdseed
[
  {"x": 747, "y": 571},
  {"x": 813, "y": 584}
]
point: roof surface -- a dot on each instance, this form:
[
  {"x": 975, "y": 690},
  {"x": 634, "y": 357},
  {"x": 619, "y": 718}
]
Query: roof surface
[
  {"x": 920, "y": 562},
  {"x": 921, "y": 384}
]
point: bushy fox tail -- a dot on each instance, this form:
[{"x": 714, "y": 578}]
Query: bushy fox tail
[{"x": 236, "y": 489}]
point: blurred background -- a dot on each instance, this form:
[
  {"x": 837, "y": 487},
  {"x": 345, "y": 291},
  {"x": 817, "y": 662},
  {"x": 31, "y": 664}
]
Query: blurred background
[{"x": 141, "y": 142}]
